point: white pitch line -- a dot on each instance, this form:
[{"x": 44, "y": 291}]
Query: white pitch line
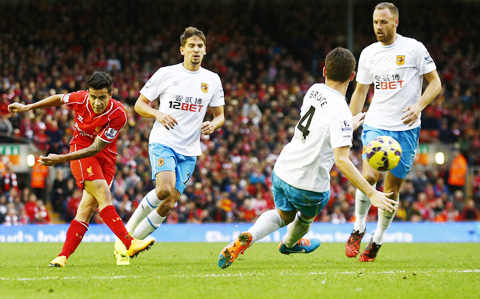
[{"x": 214, "y": 275}]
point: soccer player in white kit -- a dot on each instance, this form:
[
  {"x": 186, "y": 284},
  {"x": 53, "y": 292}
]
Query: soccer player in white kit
[
  {"x": 396, "y": 66},
  {"x": 301, "y": 175},
  {"x": 185, "y": 92}
]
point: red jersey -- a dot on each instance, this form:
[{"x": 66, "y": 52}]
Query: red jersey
[{"x": 89, "y": 125}]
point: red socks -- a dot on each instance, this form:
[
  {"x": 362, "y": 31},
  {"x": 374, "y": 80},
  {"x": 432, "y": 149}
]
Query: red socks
[
  {"x": 74, "y": 236},
  {"x": 115, "y": 223}
]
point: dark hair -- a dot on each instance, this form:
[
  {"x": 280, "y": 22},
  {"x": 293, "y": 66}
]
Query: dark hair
[
  {"x": 100, "y": 80},
  {"x": 390, "y": 6},
  {"x": 340, "y": 63},
  {"x": 189, "y": 32}
]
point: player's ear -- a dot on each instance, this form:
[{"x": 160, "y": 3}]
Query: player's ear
[
  {"x": 352, "y": 76},
  {"x": 182, "y": 50},
  {"x": 325, "y": 72}
]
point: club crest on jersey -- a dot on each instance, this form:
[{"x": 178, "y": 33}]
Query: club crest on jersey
[
  {"x": 111, "y": 133},
  {"x": 160, "y": 162},
  {"x": 205, "y": 87},
  {"x": 400, "y": 59},
  {"x": 90, "y": 171}
]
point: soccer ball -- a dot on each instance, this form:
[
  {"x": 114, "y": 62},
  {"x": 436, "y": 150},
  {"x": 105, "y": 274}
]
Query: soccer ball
[{"x": 383, "y": 153}]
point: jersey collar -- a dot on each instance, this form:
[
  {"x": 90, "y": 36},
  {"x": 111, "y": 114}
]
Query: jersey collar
[
  {"x": 190, "y": 72},
  {"x": 392, "y": 45}
]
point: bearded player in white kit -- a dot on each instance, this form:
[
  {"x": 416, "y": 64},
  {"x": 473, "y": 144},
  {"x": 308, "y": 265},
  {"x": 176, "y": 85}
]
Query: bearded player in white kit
[
  {"x": 185, "y": 92},
  {"x": 396, "y": 66},
  {"x": 301, "y": 175}
]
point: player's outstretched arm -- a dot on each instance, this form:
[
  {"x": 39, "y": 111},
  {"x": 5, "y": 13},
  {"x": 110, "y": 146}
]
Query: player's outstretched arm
[
  {"x": 208, "y": 127},
  {"x": 377, "y": 198},
  {"x": 358, "y": 98},
  {"x": 92, "y": 150},
  {"x": 51, "y": 101},
  {"x": 142, "y": 107}
]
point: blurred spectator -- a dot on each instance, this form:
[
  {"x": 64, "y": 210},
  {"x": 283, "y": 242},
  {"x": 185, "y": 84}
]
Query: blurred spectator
[
  {"x": 72, "y": 205},
  {"x": 458, "y": 172},
  {"x": 38, "y": 179},
  {"x": 6, "y": 127},
  {"x": 469, "y": 212},
  {"x": 30, "y": 207},
  {"x": 41, "y": 213},
  {"x": 3, "y": 208},
  {"x": 57, "y": 196},
  {"x": 9, "y": 178}
]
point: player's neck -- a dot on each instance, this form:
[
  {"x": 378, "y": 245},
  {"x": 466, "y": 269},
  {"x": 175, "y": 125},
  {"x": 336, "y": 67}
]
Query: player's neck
[
  {"x": 341, "y": 87},
  {"x": 191, "y": 67},
  {"x": 391, "y": 41}
]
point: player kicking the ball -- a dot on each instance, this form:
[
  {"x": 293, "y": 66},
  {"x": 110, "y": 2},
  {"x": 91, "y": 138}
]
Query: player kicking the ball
[
  {"x": 98, "y": 119},
  {"x": 395, "y": 65},
  {"x": 301, "y": 176}
]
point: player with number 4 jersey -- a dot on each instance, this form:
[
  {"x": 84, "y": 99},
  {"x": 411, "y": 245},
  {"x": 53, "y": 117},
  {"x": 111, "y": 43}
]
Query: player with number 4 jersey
[{"x": 301, "y": 175}]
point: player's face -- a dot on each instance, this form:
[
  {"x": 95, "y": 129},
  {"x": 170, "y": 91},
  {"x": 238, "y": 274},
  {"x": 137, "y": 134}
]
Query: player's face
[
  {"x": 193, "y": 52},
  {"x": 99, "y": 99},
  {"x": 385, "y": 26}
]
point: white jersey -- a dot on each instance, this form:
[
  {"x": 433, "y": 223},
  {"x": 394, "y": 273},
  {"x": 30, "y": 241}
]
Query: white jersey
[
  {"x": 185, "y": 95},
  {"x": 396, "y": 72},
  {"x": 325, "y": 123}
]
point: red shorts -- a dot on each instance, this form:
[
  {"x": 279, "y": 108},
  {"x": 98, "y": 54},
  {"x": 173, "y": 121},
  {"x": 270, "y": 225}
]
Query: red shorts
[{"x": 93, "y": 168}]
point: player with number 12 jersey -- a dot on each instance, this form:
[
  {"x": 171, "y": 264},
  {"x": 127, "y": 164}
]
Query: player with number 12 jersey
[{"x": 185, "y": 95}]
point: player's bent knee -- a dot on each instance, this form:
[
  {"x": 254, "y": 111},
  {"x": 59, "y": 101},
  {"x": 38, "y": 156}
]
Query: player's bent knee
[{"x": 163, "y": 192}]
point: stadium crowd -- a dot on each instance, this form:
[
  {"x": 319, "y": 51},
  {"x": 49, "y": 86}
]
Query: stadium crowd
[{"x": 265, "y": 71}]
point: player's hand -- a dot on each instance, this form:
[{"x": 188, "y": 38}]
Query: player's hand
[
  {"x": 166, "y": 120},
  {"x": 411, "y": 114},
  {"x": 358, "y": 120},
  {"x": 381, "y": 201},
  {"x": 50, "y": 160},
  {"x": 208, "y": 128},
  {"x": 17, "y": 107}
]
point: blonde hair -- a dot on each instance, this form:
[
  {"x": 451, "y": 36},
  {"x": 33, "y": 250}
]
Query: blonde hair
[{"x": 390, "y": 6}]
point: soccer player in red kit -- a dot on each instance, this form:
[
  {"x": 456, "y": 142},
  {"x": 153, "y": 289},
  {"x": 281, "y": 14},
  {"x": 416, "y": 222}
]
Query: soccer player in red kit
[{"x": 92, "y": 156}]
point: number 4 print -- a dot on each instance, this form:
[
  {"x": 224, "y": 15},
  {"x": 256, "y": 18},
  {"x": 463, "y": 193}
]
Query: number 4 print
[{"x": 306, "y": 118}]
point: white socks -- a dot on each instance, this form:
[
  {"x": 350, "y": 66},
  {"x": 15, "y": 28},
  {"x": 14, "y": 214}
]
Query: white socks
[
  {"x": 362, "y": 206},
  {"x": 384, "y": 220},
  {"x": 148, "y": 225},
  {"x": 148, "y": 204},
  {"x": 267, "y": 223},
  {"x": 296, "y": 230}
]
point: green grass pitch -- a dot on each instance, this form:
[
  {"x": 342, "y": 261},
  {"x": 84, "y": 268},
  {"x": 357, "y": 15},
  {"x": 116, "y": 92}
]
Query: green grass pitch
[{"x": 189, "y": 270}]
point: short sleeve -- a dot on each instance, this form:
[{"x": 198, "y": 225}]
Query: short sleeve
[
  {"x": 363, "y": 74},
  {"x": 341, "y": 130},
  {"x": 78, "y": 97},
  {"x": 153, "y": 88},
  {"x": 423, "y": 60},
  {"x": 118, "y": 119},
  {"x": 218, "y": 97}
]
